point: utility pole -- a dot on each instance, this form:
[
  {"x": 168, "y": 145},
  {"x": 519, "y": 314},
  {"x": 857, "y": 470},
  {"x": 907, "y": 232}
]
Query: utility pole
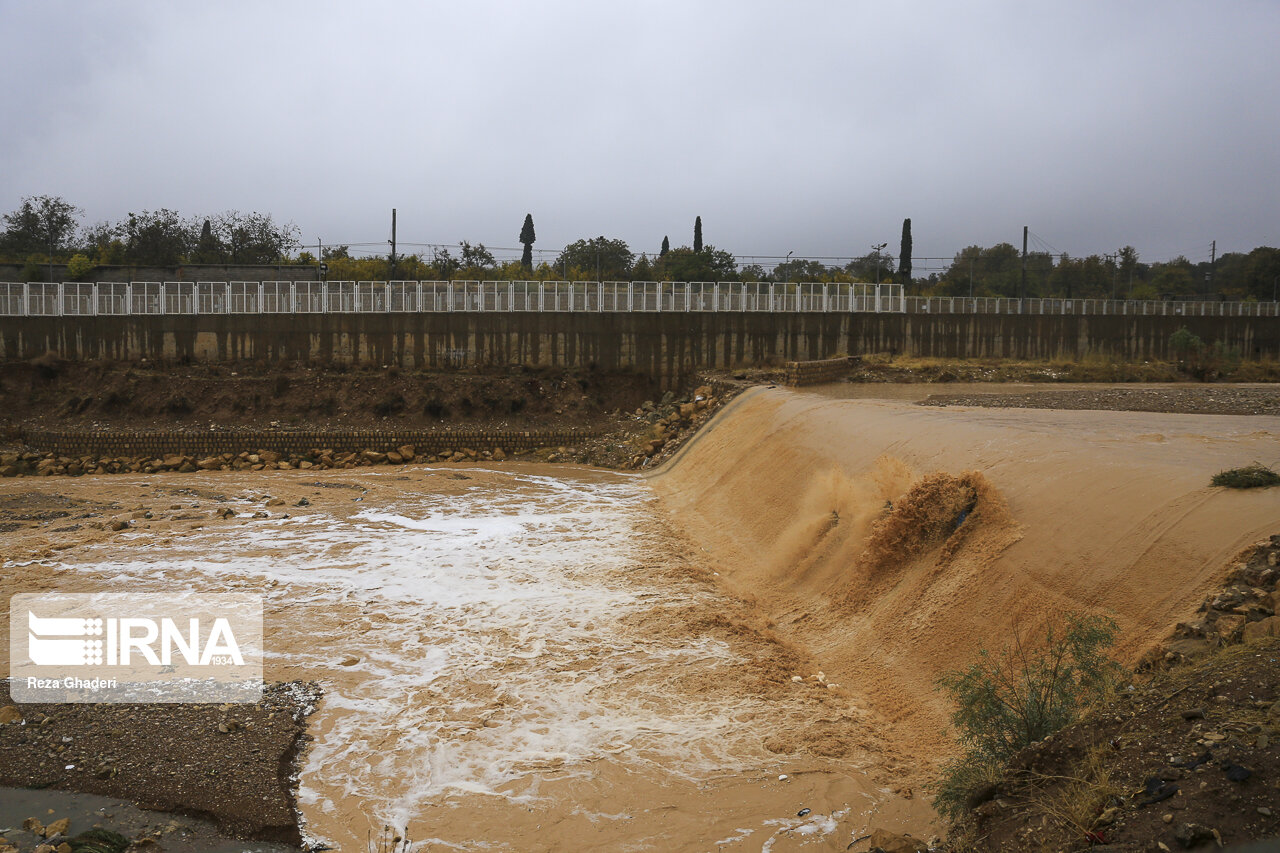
[
  {"x": 1213, "y": 256},
  {"x": 392, "y": 274},
  {"x": 971, "y": 276},
  {"x": 1022, "y": 290}
]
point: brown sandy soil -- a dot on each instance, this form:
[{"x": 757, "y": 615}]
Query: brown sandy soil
[
  {"x": 837, "y": 517},
  {"x": 660, "y": 717},
  {"x": 883, "y": 367}
]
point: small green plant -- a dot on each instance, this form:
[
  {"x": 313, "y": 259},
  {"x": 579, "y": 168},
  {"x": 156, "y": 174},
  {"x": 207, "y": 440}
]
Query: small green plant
[
  {"x": 1249, "y": 477},
  {"x": 1009, "y": 700},
  {"x": 1186, "y": 344}
]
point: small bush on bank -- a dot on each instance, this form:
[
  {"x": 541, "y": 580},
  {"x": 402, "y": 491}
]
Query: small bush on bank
[
  {"x": 1249, "y": 477},
  {"x": 1007, "y": 701}
]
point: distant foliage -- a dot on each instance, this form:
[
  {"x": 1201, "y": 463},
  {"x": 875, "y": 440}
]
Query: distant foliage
[
  {"x": 697, "y": 234},
  {"x": 1007, "y": 701}
]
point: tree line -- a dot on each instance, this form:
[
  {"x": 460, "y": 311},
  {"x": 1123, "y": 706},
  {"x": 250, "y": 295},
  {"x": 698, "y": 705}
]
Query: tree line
[{"x": 47, "y": 229}]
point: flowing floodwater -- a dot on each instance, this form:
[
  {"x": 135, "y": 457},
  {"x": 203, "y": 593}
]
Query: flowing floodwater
[{"x": 517, "y": 662}]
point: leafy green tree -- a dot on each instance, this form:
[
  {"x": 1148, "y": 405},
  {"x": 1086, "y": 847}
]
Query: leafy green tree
[
  {"x": 599, "y": 258},
  {"x": 1262, "y": 274},
  {"x": 209, "y": 248},
  {"x": 527, "y": 237},
  {"x": 800, "y": 270},
  {"x": 444, "y": 263},
  {"x": 1175, "y": 278},
  {"x": 904, "y": 255},
  {"x": 666, "y": 247},
  {"x": 870, "y": 267},
  {"x": 40, "y": 224},
  {"x": 643, "y": 270},
  {"x": 996, "y": 271},
  {"x": 102, "y": 242},
  {"x": 476, "y": 259},
  {"x": 697, "y": 234},
  {"x": 157, "y": 238},
  {"x": 1081, "y": 278},
  {"x": 1007, "y": 701},
  {"x": 711, "y": 264},
  {"x": 253, "y": 238}
]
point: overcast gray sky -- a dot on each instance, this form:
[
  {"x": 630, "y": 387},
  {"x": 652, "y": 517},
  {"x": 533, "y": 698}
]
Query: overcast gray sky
[{"x": 788, "y": 126}]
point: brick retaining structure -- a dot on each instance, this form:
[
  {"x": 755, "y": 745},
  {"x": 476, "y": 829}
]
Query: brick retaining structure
[
  {"x": 77, "y": 443},
  {"x": 816, "y": 372}
]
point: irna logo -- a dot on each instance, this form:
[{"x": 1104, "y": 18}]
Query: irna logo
[
  {"x": 62, "y": 641},
  {"x": 125, "y": 647}
]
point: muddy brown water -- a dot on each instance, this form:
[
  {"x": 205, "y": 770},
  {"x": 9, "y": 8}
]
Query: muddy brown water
[{"x": 537, "y": 658}]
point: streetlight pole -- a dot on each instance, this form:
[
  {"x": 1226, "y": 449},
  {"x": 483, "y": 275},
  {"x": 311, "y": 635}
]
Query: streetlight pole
[{"x": 879, "y": 250}]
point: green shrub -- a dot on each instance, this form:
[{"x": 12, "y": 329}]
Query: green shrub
[
  {"x": 78, "y": 267},
  {"x": 1249, "y": 477},
  {"x": 36, "y": 268},
  {"x": 1007, "y": 701}
]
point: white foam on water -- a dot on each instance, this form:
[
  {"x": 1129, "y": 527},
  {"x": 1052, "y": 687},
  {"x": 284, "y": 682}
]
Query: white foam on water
[
  {"x": 814, "y": 824},
  {"x": 488, "y": 634}
]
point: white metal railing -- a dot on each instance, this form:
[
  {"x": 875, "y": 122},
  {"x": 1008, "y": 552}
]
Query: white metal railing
[
  {"x": 1170, "y": 308},
  {"x": 379, "y": 297}
]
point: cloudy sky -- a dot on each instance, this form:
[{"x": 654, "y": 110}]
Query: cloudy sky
[{"x": 811, "y": 127}]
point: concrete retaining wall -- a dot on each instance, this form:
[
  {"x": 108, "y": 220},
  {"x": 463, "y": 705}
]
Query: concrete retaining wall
[{"x": 664, "y": 345}]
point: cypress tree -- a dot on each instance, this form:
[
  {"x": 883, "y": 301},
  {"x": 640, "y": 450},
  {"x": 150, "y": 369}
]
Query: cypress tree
[
  {"x": 697, "y": 234},
  {"x": 527, "y": 237},
  {"x": 904, "y": 256},
  {"x": 666, "y": 247}
]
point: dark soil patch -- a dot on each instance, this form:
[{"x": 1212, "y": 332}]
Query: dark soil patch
[
  {"x": 170, "y": 757},
  {"x": 1182, "y": 399},
  {"x": 177, "y": 396},
  {"x": 1187, "y": 755}
]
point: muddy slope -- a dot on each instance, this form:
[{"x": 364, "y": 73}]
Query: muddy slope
[{"x": 894, "y": 540}]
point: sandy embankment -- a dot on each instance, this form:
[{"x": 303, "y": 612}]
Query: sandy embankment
[{"x": 1082, "y": 510}]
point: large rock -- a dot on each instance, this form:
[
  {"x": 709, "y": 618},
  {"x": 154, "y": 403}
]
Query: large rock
[
  {"x": 211, "y": 463},
  {"x": 406, "y": 452},
  {"x": 374, "y": 457},
  {"x": 889, "y": 842},
  {"x": 1269, "y": 627}
]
